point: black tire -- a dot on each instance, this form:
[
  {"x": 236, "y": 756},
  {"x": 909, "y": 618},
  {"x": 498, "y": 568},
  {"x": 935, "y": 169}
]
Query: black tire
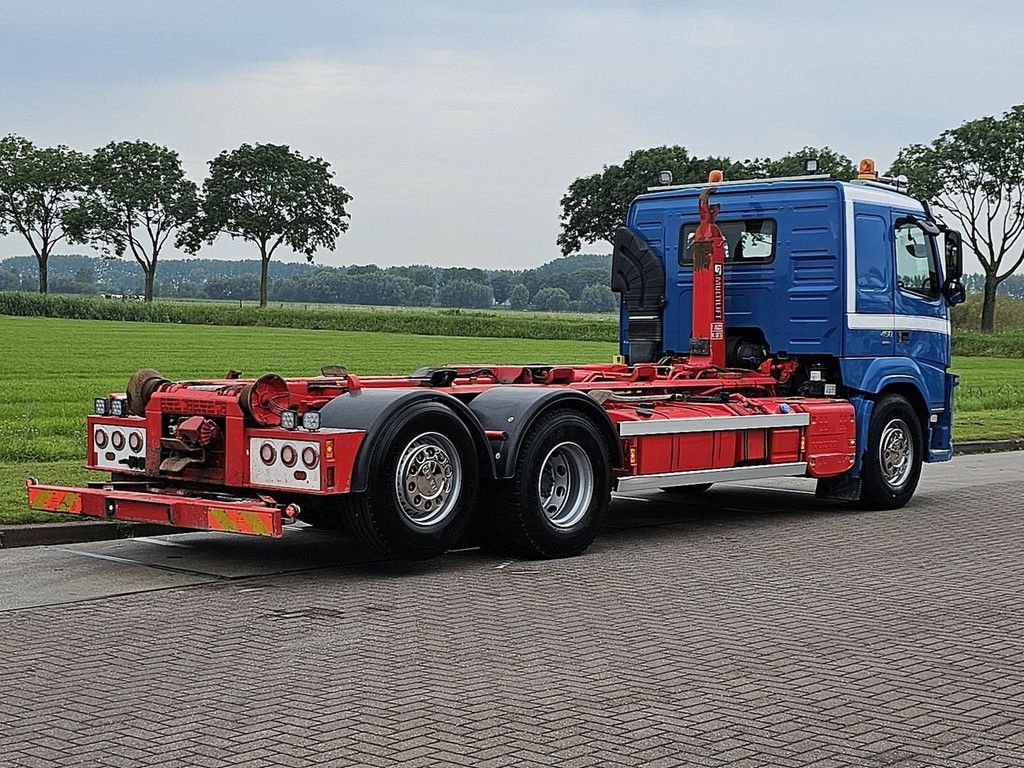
[
  {"x": 519, "y": 523},
  {"x": 384, "y": 520},
  {"x": 885, "y": 482},
  {"x": 688, "y": 490}
]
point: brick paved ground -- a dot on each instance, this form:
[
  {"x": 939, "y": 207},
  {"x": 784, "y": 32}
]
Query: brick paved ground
[{"x": 815, "y": 637}]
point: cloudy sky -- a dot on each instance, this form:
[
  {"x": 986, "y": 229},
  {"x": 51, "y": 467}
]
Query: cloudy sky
[{"x": 458, "y": 125}]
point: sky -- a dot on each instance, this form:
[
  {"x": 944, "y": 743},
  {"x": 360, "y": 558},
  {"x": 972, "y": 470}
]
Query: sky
[{"x": 458, "y": 125}]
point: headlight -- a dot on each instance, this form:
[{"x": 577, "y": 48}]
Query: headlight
[
  {"x": 100, "y": 406},
  {"x": 311, "y": 420},
  {"x": 289, "y": 419},
  {"x": 118, "y": 406}
]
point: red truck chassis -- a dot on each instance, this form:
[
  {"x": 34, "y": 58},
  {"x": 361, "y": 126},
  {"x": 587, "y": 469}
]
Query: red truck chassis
[{"x": 397, "y": 459}]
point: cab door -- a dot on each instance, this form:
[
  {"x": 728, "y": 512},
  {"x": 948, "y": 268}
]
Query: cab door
[
  {"x": 921, "y": 322},
  {"x": 871, "y": 330}
]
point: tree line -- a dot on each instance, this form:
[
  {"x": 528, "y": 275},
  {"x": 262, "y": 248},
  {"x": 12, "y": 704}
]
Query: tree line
[
  {"x": 578, "y": 283},
  {"x": 133, "y": 197}
]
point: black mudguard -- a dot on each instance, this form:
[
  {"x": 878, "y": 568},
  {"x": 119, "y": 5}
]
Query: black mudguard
[
  {"x": 513, "y": 409},
  {"x": 372, "y": 410},
  {"x": 638, "y": 275}
]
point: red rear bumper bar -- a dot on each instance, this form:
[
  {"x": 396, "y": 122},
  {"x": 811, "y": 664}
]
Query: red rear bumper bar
[{"x": 256, "y": 517}]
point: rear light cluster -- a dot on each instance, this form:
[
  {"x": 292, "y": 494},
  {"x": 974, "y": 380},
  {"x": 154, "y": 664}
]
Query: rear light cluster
[
  {"x": 119, "y": 448},
  {"x": 284, "y": 463},
  {"x": 289, "y": 455}
]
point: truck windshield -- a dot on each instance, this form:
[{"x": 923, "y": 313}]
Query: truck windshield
[{"x": 746, "y": 241}]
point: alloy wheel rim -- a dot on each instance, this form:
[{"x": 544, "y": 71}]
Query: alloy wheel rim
[
  {"x": 565, "y": 486},
  {"x": 428, "y": 479},
  {"x": 896, "y": 453}
]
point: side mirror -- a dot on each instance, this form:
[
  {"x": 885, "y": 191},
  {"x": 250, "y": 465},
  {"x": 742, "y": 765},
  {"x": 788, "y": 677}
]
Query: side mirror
[
  {"x": 954, "y": 292},
  {"x": 954, "y": 248}
]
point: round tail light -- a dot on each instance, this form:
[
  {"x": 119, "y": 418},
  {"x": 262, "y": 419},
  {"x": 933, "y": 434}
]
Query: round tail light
[
  {"x": 135, "y": 442},
  {"x": 310, "y": 457},
  {"x": 100, "y": 437},
  {"x": 289, "y": 455},
  {"x": 117, "y": 440},
  {"x": 267, "y": 454}
]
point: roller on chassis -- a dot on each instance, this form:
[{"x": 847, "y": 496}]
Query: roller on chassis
[{"x": 827, "y": 358}]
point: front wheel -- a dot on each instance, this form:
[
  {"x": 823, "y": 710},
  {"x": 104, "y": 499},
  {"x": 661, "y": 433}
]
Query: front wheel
[
  {"x": 892, "y": 461},
  {"x": 555, "y": 501},
  {"x": 422, "y": 487}
]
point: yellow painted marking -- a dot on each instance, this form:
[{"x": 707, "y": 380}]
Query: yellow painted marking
[
  {"x": 39, "y": 499},
  {"x": 241, "y": 521},
  {"x": 69, "y": 502}
]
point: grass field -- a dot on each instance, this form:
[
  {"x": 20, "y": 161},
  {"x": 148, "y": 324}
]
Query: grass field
[
  {"x": 496, "y": 323},
  {"x": 51, "y": 369}
]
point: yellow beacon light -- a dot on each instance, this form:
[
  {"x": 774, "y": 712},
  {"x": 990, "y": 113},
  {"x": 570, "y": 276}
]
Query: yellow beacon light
[
  {"x": 715, "y": 177},
  {"x": 867, "y": 169}
]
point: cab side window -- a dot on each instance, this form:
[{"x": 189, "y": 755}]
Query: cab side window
[
  {"x": 750, "y": 241},
  {"x": 916, "y": 270}
]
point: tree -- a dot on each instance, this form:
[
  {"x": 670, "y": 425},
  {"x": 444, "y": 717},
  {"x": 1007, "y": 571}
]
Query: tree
[
  {"x": 795, "y": 164},
  {"x": 519, "y": 296},
  {"x": 597, "y": 298},
  {"x": 551, "y": 300},
  {"x": 137, "y": 195},
  {"x": 422, "y": 296},
  {"x": 472, "y": 274},
  {"x": 270, "y": 195},
  {"x": 465, "y": 293},
  {"x": 501, "y": 285},
  {"x": 594, "y": 206},
  {"x": 38, "y": 187},
  {"x": 240, "y": 287},
  {"x": 395, "y": 291},
  {"x": 574, "y": 282},
  {"x": 9, "y": 280},
  {"x": 976, "y": 174}
]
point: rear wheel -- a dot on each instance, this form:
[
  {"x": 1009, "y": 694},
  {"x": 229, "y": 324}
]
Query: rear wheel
[
  {"x": 892, "y": 462},
  {"x": 555, "y": 501},
  {"x": 422, "y": 486}
]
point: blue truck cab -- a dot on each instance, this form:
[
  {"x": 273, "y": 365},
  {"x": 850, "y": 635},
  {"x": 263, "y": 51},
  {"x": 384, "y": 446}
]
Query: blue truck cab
[{"x": 844, "y": 278}]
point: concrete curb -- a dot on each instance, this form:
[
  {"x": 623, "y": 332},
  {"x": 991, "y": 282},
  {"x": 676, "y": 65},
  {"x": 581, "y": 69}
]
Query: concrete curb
[
  {"x": 40, "y": 534},
  {"x": 970, "y": 447}
]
